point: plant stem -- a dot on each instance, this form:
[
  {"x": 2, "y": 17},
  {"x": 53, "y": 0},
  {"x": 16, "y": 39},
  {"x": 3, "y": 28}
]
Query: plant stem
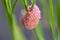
[
  {"x": 15, "y": 31},
  {"x": 14, "y": 4},
  {"x": 33, "y": 3},
  {"x": 18, "y": 35},
  {"x": 25, "y": 4},
  {"x": 39, "y": 31},
  {"x": 58, "y": 16},
  {"x": 52, "y": 20},
  {"x": 50, "y": 17}
]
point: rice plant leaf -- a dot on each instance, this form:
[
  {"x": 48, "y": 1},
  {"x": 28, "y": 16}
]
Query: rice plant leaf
[
  {"x": 15, "y": 31},
  {"x": 14, "y": 5},
  {"x": 52, "y": 20},
  {"x": 4, "y": 5},
  {"x": 25, "y": 4},
  {"x": 58, "y": 16},
  {"x": 8, "y": 6},
  {"x": 32, "y": 3},
  {"x": 39, "y": 31},
  {"x": 18, "y": 35},
  {"x": 50, "y": 17}
]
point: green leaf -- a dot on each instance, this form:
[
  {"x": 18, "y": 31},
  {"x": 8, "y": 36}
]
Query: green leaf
[
  {"x": 9, "y": 3},
  {"x": 14, "y": 5},
  {"x": 33, "y": 3},
  {"x": 39, "y": 31},
  {"x": 58, "y": 16},
  {"x": 18, "y": 35},
  {"x": 4, "y": 5},
  {"x": 25, "y": 4},
  {"x": 50, "y": 17},
  {"x": 8, "y": 6},
  {"x": 15, "y": 31}
]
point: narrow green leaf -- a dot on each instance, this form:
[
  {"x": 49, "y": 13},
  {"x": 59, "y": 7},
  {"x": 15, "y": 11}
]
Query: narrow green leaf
[
  {"x": 32, "y": 3},
  {"x": 58, "y": 16},
  {"x": 50, "y": 17},
  {"x": 14, "y": 5},
  {"x": 18, "y": 35},
  {"x": 7, "y": 6},
  {"x": 39, "y": 31},
  {"x": 15, "y": 31},
  {"x": 9, "y": 3},
  {"x": 4, "y": 5},
  {"x": 25, "y": 4}
]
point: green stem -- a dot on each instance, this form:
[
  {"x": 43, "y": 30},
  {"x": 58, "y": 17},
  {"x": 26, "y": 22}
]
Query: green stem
[
  {"x": 18, "y": 35},
  {"x": 33, "y": 3},
  {"x": 15, "y": 31},
  {"x": 50, "y": 17},
  {"x": 52, "y": 20},
  {"x": 39, "y": 31},
  {"x": 7, "y": 6},
  {"x": 25, "y": 4},
  {"x": 14, "y": 4},
  {"x": 58, "y": 16}
]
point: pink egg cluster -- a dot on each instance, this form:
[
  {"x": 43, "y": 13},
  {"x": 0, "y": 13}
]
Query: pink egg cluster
[{"x": 32, "y": 17}]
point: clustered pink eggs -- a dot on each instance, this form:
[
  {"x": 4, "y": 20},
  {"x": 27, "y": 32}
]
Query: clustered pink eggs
[{"x": 32, "y": 17}]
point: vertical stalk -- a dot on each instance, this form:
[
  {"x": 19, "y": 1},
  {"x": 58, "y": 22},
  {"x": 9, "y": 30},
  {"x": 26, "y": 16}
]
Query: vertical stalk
[
  {"x": 50, "y": 17},
  {"x": 25, "y": 4},
  {"x": 15, "y": 31},
  {"x": 58, "y": 16},
  {"x": 39, "y": 31}
]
